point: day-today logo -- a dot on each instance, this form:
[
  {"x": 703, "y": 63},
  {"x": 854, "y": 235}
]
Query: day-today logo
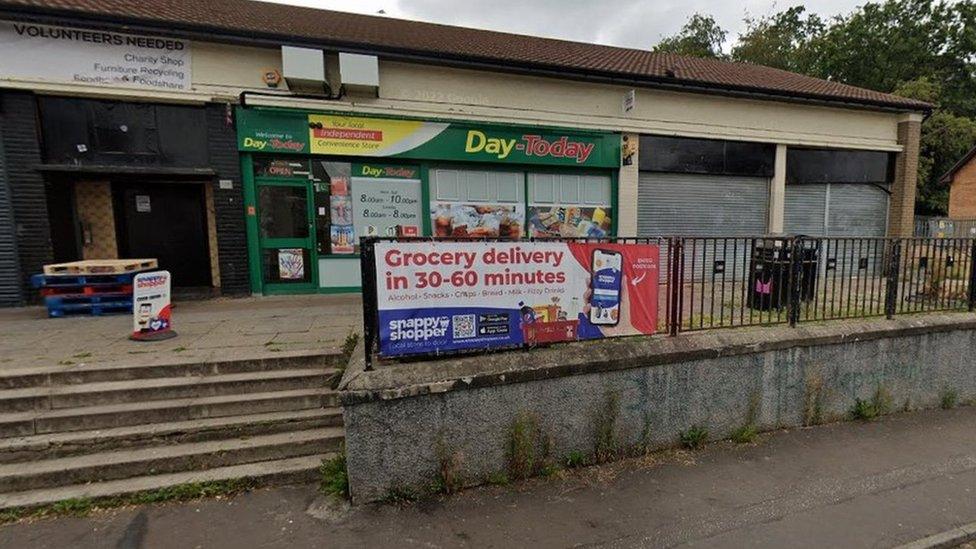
[{"x": 530, "y": 145}]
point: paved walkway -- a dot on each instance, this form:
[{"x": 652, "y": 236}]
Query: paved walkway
[
  {"x": 843, "y": 485},
  {"x": 225, "y": 328}
]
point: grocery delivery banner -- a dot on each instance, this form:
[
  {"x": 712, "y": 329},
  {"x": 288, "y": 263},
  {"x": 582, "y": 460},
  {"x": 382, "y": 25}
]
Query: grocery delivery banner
[
  {"x": 276, "y": 131},
  {"x": 446, "y": 296}
]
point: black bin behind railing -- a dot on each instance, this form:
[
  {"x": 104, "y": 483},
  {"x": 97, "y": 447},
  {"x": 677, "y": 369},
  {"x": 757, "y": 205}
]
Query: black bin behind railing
[{"x": 726, "y": 282}]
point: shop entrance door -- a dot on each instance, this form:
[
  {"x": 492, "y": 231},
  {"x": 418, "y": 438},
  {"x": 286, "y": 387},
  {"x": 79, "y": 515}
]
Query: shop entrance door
[
  {"x": 286, "y": 230},
  {"x": 166, "y": 221}
]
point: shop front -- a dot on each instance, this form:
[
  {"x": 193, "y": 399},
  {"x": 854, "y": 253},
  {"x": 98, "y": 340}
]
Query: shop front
[{"x": 316, "y": 183}]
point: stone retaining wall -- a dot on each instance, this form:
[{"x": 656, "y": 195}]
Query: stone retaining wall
[{"x": 404, "y": 422}]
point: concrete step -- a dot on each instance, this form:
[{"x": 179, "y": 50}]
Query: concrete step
[
  {"x": 142, "y": 390},
  {"x": 51, "y": 376},
  {"x": 158, "y": 411},
  {"x": 56, "y": 445},
  {"x": 282, "y": 471},
  {"x": 115, "y": 465}
]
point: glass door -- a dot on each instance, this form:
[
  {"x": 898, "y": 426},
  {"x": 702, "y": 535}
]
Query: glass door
[{"x": 286, "y": 231}]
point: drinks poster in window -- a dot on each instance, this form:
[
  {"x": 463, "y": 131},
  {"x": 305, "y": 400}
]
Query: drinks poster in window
[{"x": 343, "y": 239}]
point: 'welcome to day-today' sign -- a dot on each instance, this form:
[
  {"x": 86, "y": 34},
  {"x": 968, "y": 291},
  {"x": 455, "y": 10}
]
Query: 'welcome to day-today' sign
[{"x": 86, "y": 56}]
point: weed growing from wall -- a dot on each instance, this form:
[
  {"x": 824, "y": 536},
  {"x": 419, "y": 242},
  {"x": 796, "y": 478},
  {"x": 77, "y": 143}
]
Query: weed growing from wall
[
  {"x": 528, "y": 447},
  {"x": 332, "y": 472},
  {"x": 867, "y": 410},
  {"x": 694, "y": 438},
  {"x": 948, "y": 399},
  {"x": 605, "y": 426},
  {"x": 814, "y": 400}
]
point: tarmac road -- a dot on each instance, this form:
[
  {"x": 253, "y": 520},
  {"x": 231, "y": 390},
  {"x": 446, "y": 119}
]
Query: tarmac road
[{"x": 844, "y": 485}]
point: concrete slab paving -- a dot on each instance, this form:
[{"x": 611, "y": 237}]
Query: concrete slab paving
[
  {"x": 226, "y": 328},
  {"x": 879, "y": 484}
]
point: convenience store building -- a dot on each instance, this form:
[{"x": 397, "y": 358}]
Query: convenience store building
[{"x": 244, "y": 166}]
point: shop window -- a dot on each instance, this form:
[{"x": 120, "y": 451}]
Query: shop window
[
  {"x": 357, "y": 200},
  {"x": 284, "y": 211},
  {"x": 569, "y": 205},
  {"x": 477, "y": 203}
]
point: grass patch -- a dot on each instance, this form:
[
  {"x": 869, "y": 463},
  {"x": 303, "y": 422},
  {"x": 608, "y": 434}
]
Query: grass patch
[
  {"x": 745, "y": 434},
  {"x": 401, "y": 494},
  {"x": 349, "y": 345},
  {"x": 868, "y": 410},
  {"x": 575, "y": 459},
  {"x": 334, "y": 480},
  {"x": 948, "y": 399},
  {"x": 80, "y": 507},
  {"x": 179, "y": 349},
  {"x": 82, "y": 355},
  {"x": 694, "y": 438},
  {"x": 498, "y": 478}
]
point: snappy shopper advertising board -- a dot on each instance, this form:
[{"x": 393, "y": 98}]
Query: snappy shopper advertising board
[{"x": 445, "y": 296}]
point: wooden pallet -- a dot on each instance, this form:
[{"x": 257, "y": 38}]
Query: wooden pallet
[{"x": 100, "y": 266}]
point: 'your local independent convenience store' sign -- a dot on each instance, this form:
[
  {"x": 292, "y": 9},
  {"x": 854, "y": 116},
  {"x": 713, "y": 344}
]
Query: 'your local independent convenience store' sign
[
  {"x": 326, "y": 134},
  {"x": 86, "y": 56}
]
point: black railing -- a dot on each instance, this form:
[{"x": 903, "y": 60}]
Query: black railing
[{"x": 726, "y": 282}]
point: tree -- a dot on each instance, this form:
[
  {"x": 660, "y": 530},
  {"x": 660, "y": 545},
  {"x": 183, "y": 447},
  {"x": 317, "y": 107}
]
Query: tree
[
  {"x": 701, "y": 36},
  {"x": 780, "y": 40}
]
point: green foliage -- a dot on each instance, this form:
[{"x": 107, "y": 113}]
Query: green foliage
[
  {"x": 79, "y": 507},
  {"x": 401, "y": 494},
  {"x": 701, "y": 36},
  {"x": 334, "y": 480},
  {"x": 523, "y": 446},
  {"x": 498, "y": 478},
  {"x": 949, "y": 398},
  {"x": 922, "y": 49},
  {"x": 349, "y": 345},
  {"x": 575, "y": 459},
  {"x": 780, "y": 40},
  {"x": 745, "y": 434},
  {"x": 694, "y": 438},
  {"x": 868, "y": 410}
]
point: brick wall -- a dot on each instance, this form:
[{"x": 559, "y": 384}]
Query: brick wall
[
  {"x": 228, "y": 203},
  {"x": 28, "y": 197},
  {"x": 962, "y": 196},
  {"x": 901, "y": 220}
]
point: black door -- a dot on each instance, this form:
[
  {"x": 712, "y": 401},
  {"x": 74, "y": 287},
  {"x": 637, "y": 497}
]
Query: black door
[{"x": 166, "y": 221}]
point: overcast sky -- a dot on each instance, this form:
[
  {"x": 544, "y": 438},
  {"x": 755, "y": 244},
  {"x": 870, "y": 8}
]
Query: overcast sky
[{"x": 629, "y": 23}]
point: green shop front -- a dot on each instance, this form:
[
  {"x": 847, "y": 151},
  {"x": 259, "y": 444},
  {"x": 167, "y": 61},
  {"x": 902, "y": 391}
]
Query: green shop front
[{"x": 315, "y": 183}]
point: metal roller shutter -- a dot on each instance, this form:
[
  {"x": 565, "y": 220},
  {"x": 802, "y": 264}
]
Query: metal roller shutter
[
  {"x": 701, "y": 205},
  {"x": 805, "y": 210},
  {"x": 857, "y": 210},
  {"x": 10, "y": 284},
  {"x": 836, "y": 210}
]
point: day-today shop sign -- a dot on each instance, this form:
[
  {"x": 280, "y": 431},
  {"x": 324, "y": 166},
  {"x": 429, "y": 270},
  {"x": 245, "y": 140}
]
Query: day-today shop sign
[
  {"x": 327, "y": 134},
  {"x": 446, "y": 296},
  {"x": 86, "y": 56}
]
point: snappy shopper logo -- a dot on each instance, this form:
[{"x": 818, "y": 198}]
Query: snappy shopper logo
[
  {"x": 530, "y": 145},
  {"x": 418, "y": 329}
]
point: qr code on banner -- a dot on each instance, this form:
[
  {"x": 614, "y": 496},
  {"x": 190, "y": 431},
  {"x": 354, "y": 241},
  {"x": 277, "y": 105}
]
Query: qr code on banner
[{"x": 463, "y": 326}]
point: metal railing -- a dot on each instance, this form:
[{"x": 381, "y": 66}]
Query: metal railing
[{"x": 727, "y": 282}]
